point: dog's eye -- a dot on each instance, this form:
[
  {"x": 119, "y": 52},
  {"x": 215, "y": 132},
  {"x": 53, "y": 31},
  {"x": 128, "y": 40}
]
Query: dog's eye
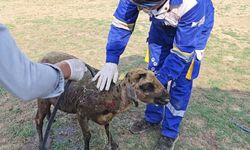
[{"x": 147, "y": 87}]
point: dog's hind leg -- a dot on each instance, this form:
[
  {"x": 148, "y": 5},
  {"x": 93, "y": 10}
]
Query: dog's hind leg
[
  {"x": 83, "y": 121},
  {"x": 42, "y": 110},
  {"x": 111, "y": 144}
]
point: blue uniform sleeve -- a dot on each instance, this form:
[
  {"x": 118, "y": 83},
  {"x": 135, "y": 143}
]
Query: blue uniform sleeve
[
  {"x": 25, "y": 79},
  {"x": 121, "y": 29},
  {"x": 206, "y": 27},
  {"x": 185, "y": 43}
]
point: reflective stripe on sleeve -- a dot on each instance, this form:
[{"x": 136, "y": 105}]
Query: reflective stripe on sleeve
[
  {"x": 183, "y": 55},
  {"x": 120, "y": 24}
]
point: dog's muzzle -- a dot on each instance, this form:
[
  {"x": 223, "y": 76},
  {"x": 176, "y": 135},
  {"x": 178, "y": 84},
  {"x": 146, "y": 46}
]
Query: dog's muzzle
[{"x": 163, "y": 99}]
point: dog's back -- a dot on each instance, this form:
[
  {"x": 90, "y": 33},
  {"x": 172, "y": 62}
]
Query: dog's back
[{"x": 82, "y": 96}]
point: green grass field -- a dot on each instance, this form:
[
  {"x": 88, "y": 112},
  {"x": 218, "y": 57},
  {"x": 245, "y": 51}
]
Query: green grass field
[{"x": 220, "y": 94}]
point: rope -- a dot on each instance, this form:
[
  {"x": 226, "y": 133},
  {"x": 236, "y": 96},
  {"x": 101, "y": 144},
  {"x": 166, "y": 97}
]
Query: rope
[
  {"x": 241, "y": 126},
  {"x": 52, "y": 117}
]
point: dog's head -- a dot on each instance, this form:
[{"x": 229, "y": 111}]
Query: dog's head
[{"x": 142, "y": 84}]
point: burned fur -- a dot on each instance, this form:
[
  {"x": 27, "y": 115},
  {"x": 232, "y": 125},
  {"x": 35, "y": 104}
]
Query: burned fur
[{"x": 85, "y": 100}]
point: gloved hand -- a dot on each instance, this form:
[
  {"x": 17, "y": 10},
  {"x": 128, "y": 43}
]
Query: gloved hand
[
  {"x": 77, "y": 69},
  {"x": 108, "y": 73}
]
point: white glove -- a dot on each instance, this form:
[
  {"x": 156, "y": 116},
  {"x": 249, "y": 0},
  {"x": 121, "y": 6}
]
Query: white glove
[
  {"x": 108, "y": 73},
  {"x": 77, "y": 68}
]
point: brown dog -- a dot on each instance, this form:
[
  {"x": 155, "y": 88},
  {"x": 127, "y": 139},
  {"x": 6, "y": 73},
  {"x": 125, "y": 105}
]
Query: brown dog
[{"x": 84, "y": 99}]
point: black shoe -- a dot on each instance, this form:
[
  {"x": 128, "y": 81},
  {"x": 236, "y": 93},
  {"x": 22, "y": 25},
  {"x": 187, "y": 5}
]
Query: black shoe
[
  {"x": 141, "y": 126},
  {"x": 166, "y": 143}
]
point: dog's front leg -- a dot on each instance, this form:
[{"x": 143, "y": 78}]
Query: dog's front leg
[
  {"x": 83, "y": 121},
  {"x": 111, "y": 144}
]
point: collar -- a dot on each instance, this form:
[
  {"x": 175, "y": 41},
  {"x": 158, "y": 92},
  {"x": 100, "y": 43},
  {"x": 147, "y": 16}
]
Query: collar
[{"x": 132, "y": 95}]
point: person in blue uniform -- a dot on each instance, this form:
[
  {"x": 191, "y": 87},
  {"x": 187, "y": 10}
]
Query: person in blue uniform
[{"x": 177, "y": 38}]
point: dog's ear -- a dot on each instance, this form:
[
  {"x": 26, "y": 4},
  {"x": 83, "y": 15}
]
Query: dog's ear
[
  {"x": 136, "y": 75},
  {"x": 127, "y": 75},
  {"x": 141, "y": 73}
]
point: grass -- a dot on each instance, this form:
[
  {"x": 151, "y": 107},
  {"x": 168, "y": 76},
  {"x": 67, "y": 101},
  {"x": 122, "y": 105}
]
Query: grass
[
  {"x": 62, "y": 146},
  {"x": 217, "y": 111},
  {"x": 2, "y": 91},
  {"x": 221, "y": 93},
  {"x": 24, "y": 130}
]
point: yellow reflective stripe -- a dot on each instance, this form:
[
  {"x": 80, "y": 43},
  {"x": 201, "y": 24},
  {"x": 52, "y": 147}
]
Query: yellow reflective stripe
[
  {"x": 190, "y": 71},
  {"x": 120, "y": 24},
  {"x": 183, "y": 53},
  {"x": 147, "y": 56}
]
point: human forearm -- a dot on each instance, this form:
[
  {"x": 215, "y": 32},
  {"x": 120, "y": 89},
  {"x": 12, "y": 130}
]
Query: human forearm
[
  {"x": 123, "y": 24},
  {"x": 117, "y": 42},
  {"x": 23, "y": 78}
]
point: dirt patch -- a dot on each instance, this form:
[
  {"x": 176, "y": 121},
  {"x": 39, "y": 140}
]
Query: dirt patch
[
  {"x": 236, "y": 107},
  {"x": 197, "y": 122},
  {"x": 205, "y": 140}
]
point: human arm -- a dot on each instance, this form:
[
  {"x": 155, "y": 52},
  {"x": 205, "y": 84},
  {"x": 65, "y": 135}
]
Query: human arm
[
  {"x": 121, "y": 29},
  {"x": 25, "y": 79},
  {"x": 186, "y": 42}
]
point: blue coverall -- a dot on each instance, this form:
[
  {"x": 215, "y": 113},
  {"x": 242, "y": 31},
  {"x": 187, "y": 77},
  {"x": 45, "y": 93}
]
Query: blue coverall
[{"x": 178, "y": 35}]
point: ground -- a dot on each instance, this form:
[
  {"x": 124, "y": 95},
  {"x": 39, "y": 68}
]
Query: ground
[{"x": 80, "y": 27}]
